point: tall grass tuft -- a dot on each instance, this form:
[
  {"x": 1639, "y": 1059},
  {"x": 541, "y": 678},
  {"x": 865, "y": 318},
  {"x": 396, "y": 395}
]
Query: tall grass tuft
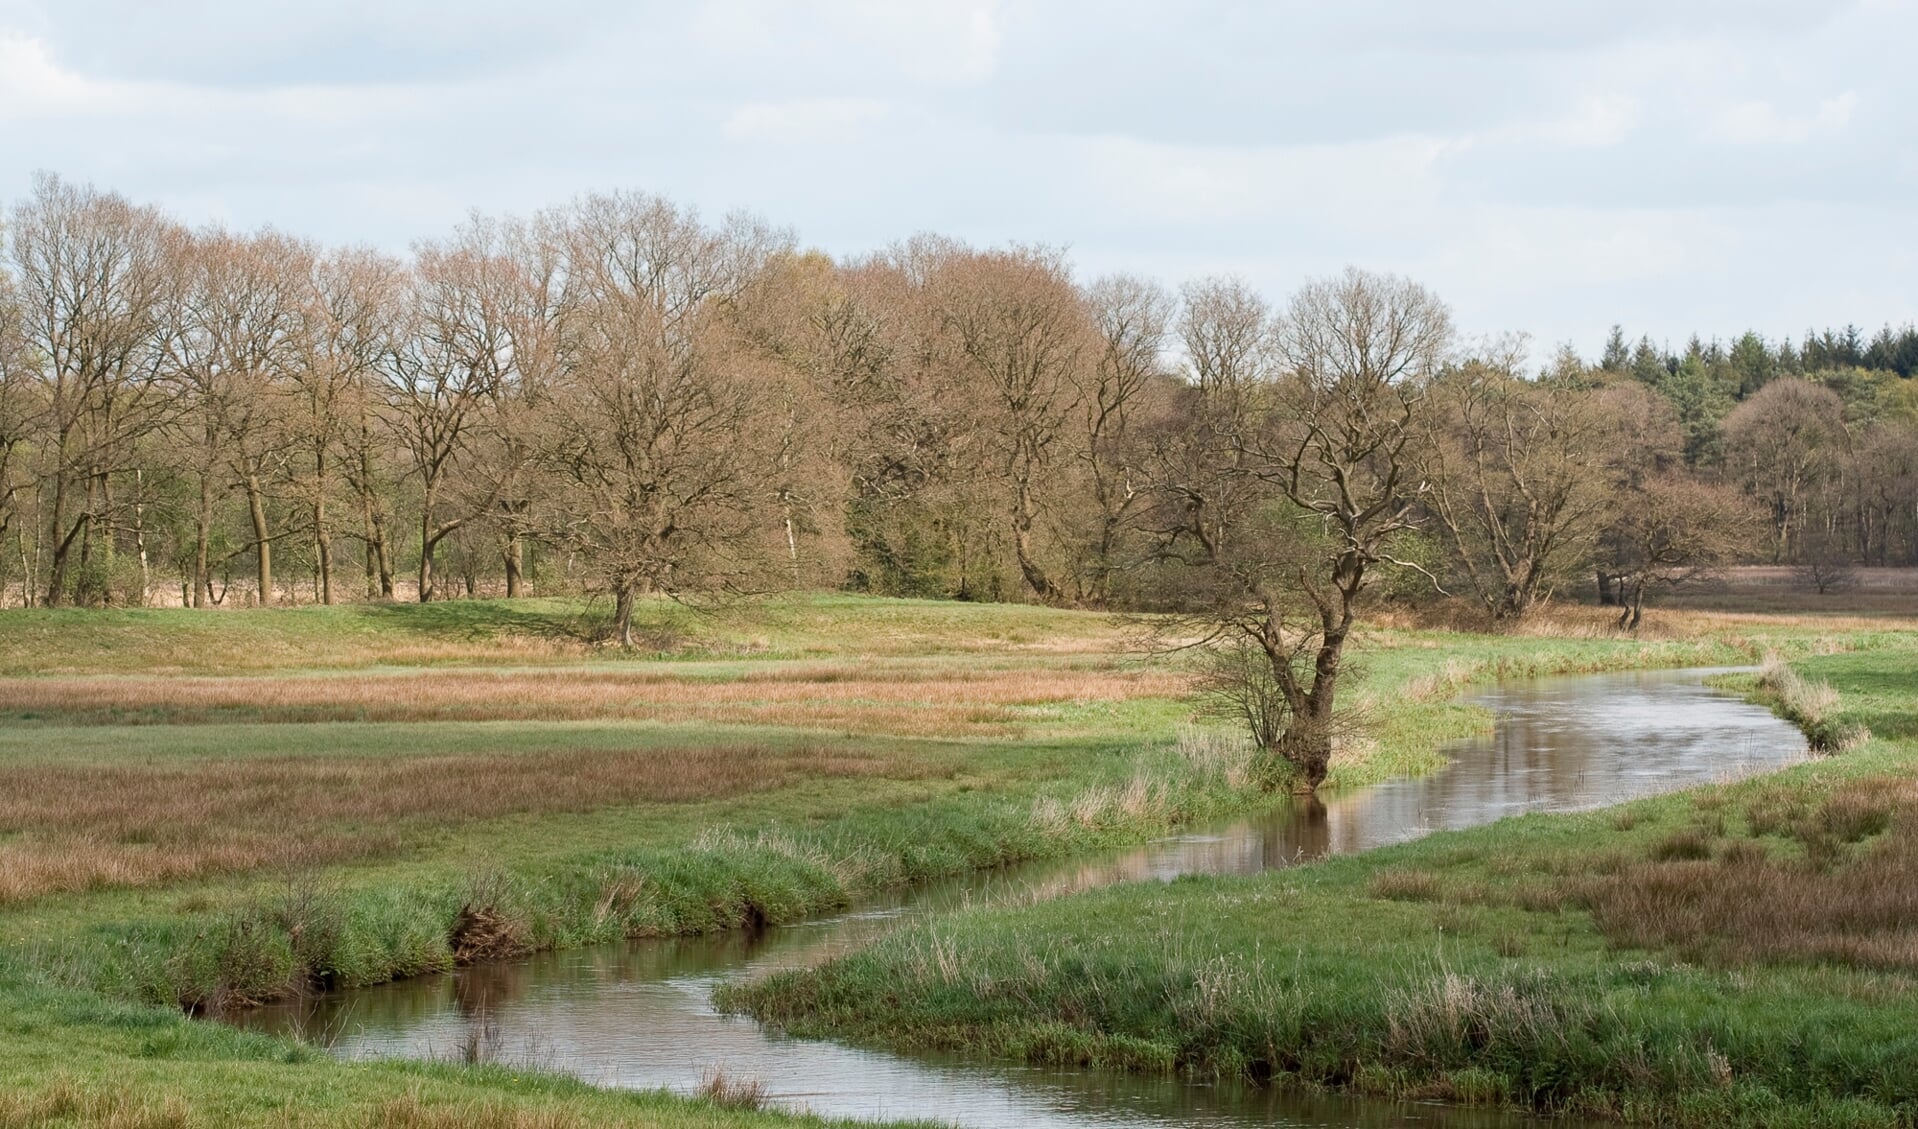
[
  {"x": 1811, "y": 705},
  {"x": 730, "y": 1091},
  {"x": 67, "y": 1102}
]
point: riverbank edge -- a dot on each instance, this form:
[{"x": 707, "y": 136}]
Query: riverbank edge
[{"x": 792, "y": 1001}]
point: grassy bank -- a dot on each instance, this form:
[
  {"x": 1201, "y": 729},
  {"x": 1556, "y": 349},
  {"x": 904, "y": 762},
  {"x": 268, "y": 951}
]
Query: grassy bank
[
  {"x": 331, "y": 797},
  {"x": 1743, "y": 953}
]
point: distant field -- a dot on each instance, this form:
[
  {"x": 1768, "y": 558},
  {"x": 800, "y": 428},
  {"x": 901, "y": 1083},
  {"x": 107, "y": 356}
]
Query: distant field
[{"x": 1781, "y": 588}]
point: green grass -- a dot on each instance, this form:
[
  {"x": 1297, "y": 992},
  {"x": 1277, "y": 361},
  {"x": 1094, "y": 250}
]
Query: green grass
[
  {"x": 91, "y": 982},
  {"x": 150, "y": 640},
  {"x": 1489, "y": 965}
]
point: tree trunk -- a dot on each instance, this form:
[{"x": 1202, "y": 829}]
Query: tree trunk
[
  {"x": 83, "y": 591},
  {"x": 202, "y": 534},
  {"x": 383, "y": 554},
  {"x": 263, "y": 552},
  {"x": 427, "y": 544},
  {"x": 515, "y": 567},
  {"x": 1309, "y": 750},
  {"x": 792, "y": 545},
  {"x": 323, "y": 552},
  {"x": 623, "y": 599},
  {"x": 1035, "y": 577},
  {"x": 57, "y": 567},
  {"x": 1632, "y": 599},
  {"x": 322, "y": 536},
  {"x": 140, "y": 534}
]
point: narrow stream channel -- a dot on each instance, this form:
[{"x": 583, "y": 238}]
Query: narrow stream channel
[{"x": 639, "y": 1015}]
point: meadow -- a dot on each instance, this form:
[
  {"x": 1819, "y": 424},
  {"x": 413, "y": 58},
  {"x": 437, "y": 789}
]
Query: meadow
[
  {"x": 1744, "y": 953},
  {"x": 204, "y": 811}
]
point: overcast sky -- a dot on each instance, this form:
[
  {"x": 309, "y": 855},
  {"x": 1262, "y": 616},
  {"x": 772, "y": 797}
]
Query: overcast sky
[{"x": 1550, "y": 166}]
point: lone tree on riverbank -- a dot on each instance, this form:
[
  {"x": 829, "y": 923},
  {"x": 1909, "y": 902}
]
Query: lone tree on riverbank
[{"x": 1285, "y": 486}]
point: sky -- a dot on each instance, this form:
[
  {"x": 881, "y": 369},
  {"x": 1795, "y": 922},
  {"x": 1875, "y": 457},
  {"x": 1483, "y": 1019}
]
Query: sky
[{"x": 1546, "y": 166}]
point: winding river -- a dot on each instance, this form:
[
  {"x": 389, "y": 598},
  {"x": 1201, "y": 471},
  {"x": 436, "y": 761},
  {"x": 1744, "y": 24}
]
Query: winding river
[{"x": 639, "y": 1015}]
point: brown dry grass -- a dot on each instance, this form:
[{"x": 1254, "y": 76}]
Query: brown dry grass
[
  {"x": 76, "y": 827},
  {"x": 1698, "y": 618},
  {"x": 897, "y": 700},
  {"x": 1850, "y": 898},
  {"x": 66, "y": 1102}
]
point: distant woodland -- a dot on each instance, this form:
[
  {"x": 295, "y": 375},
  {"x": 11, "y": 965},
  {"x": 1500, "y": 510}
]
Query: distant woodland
[{"x": 618, "y": 397}]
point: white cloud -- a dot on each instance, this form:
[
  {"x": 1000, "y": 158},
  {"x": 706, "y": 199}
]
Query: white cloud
[
  {"x": 32, "y": 84},
  {"x": 1551, "y": 167},
  {"x": 805, "y": 121},
  {"x": 1760, "y": 122}
]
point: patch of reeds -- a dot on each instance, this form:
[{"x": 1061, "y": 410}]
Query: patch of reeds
[{"x": 732, "y": 1091}]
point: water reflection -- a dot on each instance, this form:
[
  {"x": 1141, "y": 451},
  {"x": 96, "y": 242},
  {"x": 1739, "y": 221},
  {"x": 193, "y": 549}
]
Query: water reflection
[{"x": 637, "y": 1015}]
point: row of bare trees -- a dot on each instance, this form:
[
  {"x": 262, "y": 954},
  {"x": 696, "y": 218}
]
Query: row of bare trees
[{"x": 619, "y": 397}]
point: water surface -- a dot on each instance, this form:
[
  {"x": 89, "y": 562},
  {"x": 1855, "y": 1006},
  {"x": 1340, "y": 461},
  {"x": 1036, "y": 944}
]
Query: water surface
[{"x": 638, "y": 1014}]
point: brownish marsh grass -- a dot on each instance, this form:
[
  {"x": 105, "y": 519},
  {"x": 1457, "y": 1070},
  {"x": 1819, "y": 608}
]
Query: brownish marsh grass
[
  {"x": 898, "y": 700},
  {"x": 1820, "y": 881},
  {"x": 82, "y": 826}
]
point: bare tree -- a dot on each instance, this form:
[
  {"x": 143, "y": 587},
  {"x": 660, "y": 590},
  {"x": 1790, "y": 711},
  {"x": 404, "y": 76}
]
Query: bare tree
[
  {"x": 1518, "y": 475},
  {"x": 21, "y": 408},
  {"x": 1324, "y": 440},
  {"x": 1133, "y": 318},
  {"x": 650, "y": 427},
  {"x": 456, "y": 356},
  {"x": 1021, "y": 329},
  {"x": 828, "y": 360},
  {"x": 1781, "y": 444},
  {"x": 1884, "y": 492},
  {"x": 234, "y": 343},
  {"x": 1671, "y": 531},
  {"x": 92, "y": 276},
  {"x": 346, "y": 323}
]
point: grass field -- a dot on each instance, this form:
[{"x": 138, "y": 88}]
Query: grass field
[
  {"x": 1739, "y": 954},
  {"x": 199, "y": 811}
]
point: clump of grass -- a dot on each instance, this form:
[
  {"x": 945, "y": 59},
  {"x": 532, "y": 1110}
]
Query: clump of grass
[
  {"x": 1687, "y": 843},
  {"x": 488, "y": 925},
  {"x": 1225, "y": 756},
  {"x": 1405, "y": 885},
  {"x": 1455, "y": 1019},
  {"x": 1810, "y": 705},
  {"x": 410, "y": 1112},
  {"x": 69, "y": 1102},
  {"x": 731, "y": 1091}
]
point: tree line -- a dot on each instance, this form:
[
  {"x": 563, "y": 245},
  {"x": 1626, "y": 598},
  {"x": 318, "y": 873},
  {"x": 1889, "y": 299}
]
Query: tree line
[
  {"x": 616, "y": 395},
  {"x": 619, "y": 397}
]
